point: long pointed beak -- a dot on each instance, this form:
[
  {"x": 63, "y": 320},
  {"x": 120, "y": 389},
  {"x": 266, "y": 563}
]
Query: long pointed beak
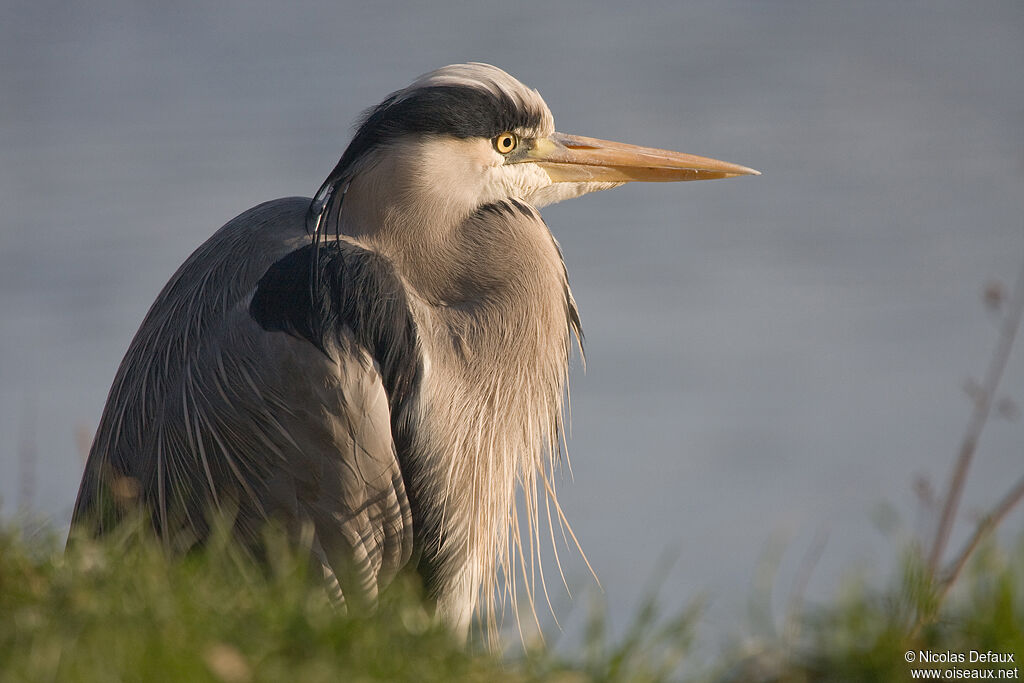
[{"x": 574, "y": 158}]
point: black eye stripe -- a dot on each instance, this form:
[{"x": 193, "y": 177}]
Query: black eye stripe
[{"x": 464, "y": 112}]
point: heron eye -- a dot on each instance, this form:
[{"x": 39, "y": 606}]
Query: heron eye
[{"x": 505, "y": 142}]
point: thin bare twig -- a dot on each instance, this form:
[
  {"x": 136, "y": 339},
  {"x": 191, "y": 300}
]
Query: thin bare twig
[
  {"x": 982, "y": 407},
  {"x": 988, "y": 523},
  {"x": 985, "y": 526}
]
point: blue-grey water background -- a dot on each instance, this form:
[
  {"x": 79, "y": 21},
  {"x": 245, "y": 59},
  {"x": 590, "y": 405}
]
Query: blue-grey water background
[{"x": 768, "y": 358}]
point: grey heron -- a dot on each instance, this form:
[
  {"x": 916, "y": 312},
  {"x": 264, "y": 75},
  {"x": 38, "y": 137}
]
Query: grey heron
[{"x": 378, "y": 365}]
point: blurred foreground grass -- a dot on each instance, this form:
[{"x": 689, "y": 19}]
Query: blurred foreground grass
[{"x": 121, "y": 611}]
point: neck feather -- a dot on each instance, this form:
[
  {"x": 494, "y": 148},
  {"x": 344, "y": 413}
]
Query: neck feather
[{"x": 494, "y": 311}]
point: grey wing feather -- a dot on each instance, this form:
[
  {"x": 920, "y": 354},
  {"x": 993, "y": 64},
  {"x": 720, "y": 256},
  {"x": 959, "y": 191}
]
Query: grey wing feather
[
  {"x": 210, "y": 410},
  {"x": 327, "y": 426}
]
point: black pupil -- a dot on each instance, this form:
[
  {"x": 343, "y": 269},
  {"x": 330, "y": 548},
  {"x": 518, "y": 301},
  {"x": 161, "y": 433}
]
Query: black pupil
[{"x": 506, "y": 141}]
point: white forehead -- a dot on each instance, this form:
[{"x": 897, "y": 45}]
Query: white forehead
[{"x": 489, "y": 79}]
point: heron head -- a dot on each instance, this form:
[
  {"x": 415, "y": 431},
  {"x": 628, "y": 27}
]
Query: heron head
[{"x": 467, "y": 135}]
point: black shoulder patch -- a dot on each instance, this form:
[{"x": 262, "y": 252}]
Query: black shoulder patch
[{"x": 356, "y": 290}]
